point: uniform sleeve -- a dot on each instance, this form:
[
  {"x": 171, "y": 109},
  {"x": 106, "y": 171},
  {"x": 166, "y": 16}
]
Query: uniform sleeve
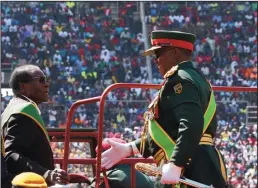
[
  {"x": 20, "y": 134},
  {"x": 146, "y": 153},
  {"x": 181, "y": 98}
]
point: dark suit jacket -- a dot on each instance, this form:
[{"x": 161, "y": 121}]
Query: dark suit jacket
[
  {"x": 26, "y": 146},
  {"x": 6, "y": 177}
]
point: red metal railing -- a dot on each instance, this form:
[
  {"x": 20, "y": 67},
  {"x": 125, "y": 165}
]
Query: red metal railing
[
  {"x": 101, "y": 118},
  {"x": 234, "y": 89},
  {"x": 102, "y": 99}
]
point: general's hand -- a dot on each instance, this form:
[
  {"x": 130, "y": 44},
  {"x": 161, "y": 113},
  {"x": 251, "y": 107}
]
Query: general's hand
[
  {"x": 56, "y": 176},
  {"x": 116, "y": 153},
  {"x": 170, "y": 174}
]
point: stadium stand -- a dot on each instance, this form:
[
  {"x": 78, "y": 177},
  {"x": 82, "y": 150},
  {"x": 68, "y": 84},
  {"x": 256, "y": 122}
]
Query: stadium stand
[{"x": 86, "y": 46}]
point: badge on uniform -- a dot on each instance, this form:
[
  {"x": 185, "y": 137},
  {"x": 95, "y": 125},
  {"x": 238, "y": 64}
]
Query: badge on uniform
[{"x": 178, "y": 88}]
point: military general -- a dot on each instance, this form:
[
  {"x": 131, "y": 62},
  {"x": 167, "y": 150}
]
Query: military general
[{"x": 180, "y": 122}]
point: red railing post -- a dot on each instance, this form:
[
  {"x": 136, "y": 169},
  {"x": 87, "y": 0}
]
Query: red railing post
[
  {"x": 101, "y": 117},
  {"x": 68, "y": 127}
]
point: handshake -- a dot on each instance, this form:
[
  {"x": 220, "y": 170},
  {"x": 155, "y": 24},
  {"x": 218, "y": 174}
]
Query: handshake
[{"x": 170, "y": 173}]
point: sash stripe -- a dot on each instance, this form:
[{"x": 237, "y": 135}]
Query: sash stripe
[
  {"x": 40, "y": 126},
  {"x": 30, "y": 110},
  {"x": 161, "y": 138}
]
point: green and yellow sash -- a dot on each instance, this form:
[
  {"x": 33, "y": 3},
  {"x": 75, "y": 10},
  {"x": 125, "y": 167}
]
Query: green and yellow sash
[
  {"x": 28, "y": 109},
  {"x": 165, "y": 142}
]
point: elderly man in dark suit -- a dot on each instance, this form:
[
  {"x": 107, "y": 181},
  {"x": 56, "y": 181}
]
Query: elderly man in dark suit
[{"x": 26, "y": 145}]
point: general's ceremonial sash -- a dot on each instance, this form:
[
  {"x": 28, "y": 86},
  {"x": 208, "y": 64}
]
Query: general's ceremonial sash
[{"x": 165, "y": 142}]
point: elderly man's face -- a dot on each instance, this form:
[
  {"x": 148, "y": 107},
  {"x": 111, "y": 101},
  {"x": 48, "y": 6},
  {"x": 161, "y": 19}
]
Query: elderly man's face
[{"x": 37, "y": 88}]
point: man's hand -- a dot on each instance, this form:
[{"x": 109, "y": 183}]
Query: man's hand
[
  {"x": 170, "y": 174},
  {"x": 116, "y": 153},
  {"x": 56, "y": 176}
]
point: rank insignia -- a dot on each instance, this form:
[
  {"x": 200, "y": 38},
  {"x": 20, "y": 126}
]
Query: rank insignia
[{"x": 178, "y": 88}]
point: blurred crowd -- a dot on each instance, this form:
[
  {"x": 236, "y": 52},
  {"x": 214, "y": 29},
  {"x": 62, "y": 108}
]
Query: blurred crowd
[{"x": 83, "y": 48}]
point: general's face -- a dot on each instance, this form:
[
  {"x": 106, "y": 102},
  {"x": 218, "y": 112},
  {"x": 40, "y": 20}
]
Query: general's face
[
  {"x": 37, "y": 88},
  {"x": 164, "y": 59}
]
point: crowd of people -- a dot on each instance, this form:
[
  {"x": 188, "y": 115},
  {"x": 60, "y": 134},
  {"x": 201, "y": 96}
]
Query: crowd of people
[{"x": 83, "y": 49}]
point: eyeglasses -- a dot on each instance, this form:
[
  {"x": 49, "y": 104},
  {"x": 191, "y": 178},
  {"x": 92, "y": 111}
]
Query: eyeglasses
[{"x": 42, "y": 79}]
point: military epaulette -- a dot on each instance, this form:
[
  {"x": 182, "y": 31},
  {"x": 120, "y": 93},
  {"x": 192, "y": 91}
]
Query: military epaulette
[{"x": 171, "y": 72}]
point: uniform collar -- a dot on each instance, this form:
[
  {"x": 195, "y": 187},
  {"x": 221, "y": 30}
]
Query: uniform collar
[
  {"x": 181, "y": 65},
  {"x": 185, "y": 64}
]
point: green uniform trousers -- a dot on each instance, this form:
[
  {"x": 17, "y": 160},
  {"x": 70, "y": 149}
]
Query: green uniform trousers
[{"x": 120, "y": 177}]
